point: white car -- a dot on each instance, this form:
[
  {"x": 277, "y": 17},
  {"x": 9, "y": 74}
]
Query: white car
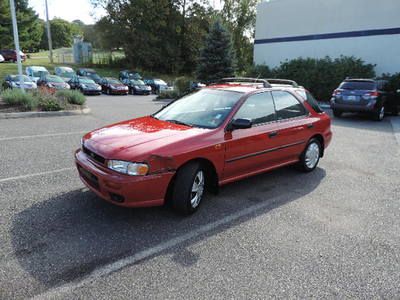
[
  {"x": 66, "y": 73},
  {"x": 35, "y": 72},
  {"x": 1, "y": 58}
]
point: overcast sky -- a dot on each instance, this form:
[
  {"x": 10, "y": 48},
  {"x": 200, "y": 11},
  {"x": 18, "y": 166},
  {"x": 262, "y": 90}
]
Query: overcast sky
[{"x": 76, "y": 9}]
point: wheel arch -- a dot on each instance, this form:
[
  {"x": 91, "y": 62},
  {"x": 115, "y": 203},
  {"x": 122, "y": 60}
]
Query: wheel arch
[{"x": 321, "y": 139}]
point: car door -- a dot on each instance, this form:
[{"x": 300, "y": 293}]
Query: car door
[
  {"x": 250, "y": 150},
  {"x": 295, "y": 125}
]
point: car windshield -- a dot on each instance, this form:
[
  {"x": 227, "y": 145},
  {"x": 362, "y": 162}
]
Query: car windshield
[
  {"x": 86, "y": 80},
  {"x": 160, "y": 82},
  {"x": 113, "y": 81},
  {"x": 138, "y": 82},
  {"x": 134, "y": 76},
  {"x": 94, "y": 76},
  {"x": 55, "y": 79},
  {"x": 24, "y": 78},
  {"x": 206, "y": 108},
  {"x": 39, "y": 73},
  {"x": 358, "y": 85}
]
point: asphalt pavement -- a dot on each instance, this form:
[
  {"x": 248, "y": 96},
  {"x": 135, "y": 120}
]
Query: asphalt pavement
[{"x": 333, "y": 233}]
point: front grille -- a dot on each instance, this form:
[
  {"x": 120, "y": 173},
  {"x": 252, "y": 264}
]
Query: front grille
[
  {"x": 93, "y": 155},
  {"x": 92, "y": 180}
]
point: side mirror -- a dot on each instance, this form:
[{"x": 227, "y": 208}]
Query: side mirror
[
  {"x": 240, "y": 124},
  {"x": 398, "y": 91}
]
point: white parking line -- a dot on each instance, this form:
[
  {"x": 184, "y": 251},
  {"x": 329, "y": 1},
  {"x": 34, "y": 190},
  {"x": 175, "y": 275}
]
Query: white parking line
[
  {"x": 131, "y": 260},
  {"x": 35, "y": 174},
  {"x": 41, "y": 135}
]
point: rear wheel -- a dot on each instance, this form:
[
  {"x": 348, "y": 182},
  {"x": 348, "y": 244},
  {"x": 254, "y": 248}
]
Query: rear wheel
[
  {"x": 337, "y": 113},
  {"x": 380, "y": 114},
  {"x": 310, "y": 158},
  {"x": 189, "y": 187}
]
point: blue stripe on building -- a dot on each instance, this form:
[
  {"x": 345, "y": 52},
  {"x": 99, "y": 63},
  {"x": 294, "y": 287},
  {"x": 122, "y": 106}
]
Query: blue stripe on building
[{"x": 327, "y": 36}]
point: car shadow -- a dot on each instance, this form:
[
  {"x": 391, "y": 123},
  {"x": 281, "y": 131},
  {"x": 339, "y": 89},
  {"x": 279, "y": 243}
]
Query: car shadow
[
  {"x": 363, "y": 122},
  {"x": 66, "y": 237}
]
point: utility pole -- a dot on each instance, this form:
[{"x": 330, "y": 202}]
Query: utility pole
[
  {"x": 16, "y": 42},
  {"x": 49, "y": 33}
]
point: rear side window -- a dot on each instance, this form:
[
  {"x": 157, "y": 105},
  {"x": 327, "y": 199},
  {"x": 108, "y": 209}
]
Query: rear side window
[
  {"x": 313, "y": 102},
  {"x": 358, "y": 85},
  {"x": 258, "y": 108},
  {"x": 287, "y": 106}
]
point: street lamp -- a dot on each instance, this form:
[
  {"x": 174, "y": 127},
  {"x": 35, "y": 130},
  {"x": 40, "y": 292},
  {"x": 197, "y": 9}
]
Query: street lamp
[
  {"x": 49, "y": 33},
  {"x": 16, "y": 42}
]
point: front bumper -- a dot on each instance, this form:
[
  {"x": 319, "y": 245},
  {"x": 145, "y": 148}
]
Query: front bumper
[
  {"x": 119, "y": 92},
  {"x": 92, "y": 92},
  {"x": 119, "y": 189}
]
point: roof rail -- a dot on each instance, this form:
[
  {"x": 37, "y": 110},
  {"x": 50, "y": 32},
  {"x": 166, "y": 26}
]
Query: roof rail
[
  {"x": 265, "y": 82},
  {"x": 283, "y": 81}
]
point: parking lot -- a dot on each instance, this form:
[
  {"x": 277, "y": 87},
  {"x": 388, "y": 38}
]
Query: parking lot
[{"x": 333, "y": 233}]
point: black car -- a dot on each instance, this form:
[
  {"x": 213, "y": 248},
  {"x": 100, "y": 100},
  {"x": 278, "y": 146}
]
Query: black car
[
  {"x": 137, "y": 87},
  {"x": 13, "y": 81},
  {"x": 157, "y": 85},
  {"x": 86, "y": 85},
  {"x": 129, "y": 74},
  {"x": 366, "y": 96},
  {"x": 90, "y": 73}
]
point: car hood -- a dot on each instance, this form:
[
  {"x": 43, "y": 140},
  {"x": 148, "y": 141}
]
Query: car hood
[{"x": 138, "y": 137}]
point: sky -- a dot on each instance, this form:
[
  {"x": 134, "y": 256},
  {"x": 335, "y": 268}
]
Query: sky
[
  {"x": 76, "y": 9},
  {"x": 68, "y": 9}
]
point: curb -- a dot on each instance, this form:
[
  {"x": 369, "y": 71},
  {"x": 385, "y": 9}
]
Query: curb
[
  {"x": 395, "y": 122},
  {"x": 44, "y": 114}
]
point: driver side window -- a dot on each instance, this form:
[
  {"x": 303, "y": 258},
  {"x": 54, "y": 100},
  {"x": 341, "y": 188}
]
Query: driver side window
[{"x": 258, "y": 108}]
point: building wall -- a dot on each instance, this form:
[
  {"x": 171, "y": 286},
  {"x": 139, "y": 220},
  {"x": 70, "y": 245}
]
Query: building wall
[{"x": 368, "y": 29}]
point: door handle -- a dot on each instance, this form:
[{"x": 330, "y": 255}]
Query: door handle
[
  {"x": 273, "y": 134},
  {"x": 310, "y": 126}
]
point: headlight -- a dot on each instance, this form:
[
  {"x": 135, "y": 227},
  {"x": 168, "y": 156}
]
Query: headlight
[
  {"x": 136, "y": 87},
  {"x": 67, "y": 86},
  {"x": 83, "y": 86},
  {"x": 113, "y": 87},
  {"x": 124, "y": 167},
  {"x": 50, "y": 85},
  {"x": 99, "y": 88}
]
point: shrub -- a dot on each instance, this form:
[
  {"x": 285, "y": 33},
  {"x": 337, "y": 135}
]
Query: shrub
[
  {"x": 169, "y": 95},
  {"x": 71, "y": 97},
  {"x": 49, "y": 102},
  {"x": 183, "y": 84},
  {"x": 19, "y": 98}
]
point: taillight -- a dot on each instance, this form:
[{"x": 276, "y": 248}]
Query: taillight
[
  {"x": 337, "y": 92},
  {"x": 373, "y": 94}
]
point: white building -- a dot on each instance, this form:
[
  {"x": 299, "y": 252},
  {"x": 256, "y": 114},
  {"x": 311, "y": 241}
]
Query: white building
[{"x": 367, "y": 29}]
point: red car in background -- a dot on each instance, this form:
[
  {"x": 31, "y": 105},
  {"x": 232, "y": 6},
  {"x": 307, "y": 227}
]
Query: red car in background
[
  {"x": 112, "y": 86},
  {"x": 11, "y": 55},
  {"x": 237, "y": 128}
]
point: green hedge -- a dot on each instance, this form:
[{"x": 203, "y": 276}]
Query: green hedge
[
  {"x": 320, "y": 76},
  {"x": 71, "y": 96},
  {"x": 18, "y": 98}
]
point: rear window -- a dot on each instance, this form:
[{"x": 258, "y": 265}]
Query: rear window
[{"x": 358, "y": 85}]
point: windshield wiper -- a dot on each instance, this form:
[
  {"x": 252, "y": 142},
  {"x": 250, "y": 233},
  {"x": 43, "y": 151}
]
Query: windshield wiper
[{"x": 179, "y": 123}]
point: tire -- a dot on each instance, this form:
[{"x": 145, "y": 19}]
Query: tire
[
  {"x": 380, "y": 114},
  {"x": 185, "y": 199},
  {"x": 395, "y": 110},
  {"x": 108, "y": 91},
  {"x": 309, "y": 159},
  {"x": 337, "y": 113}
]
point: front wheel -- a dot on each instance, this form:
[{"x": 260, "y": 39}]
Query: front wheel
[
  {"x": 310, "y": 158},
  {"x": 189, "y": 188}
]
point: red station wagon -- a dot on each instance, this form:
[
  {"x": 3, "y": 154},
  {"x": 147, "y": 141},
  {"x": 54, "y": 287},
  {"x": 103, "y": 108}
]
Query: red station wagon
[{"x": 237, "y": 128}]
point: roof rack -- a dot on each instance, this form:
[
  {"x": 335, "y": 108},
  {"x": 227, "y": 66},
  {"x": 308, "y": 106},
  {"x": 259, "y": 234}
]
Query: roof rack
[
  {"x": 265, "y": 82},
  {"x": 283, "y": 81}
]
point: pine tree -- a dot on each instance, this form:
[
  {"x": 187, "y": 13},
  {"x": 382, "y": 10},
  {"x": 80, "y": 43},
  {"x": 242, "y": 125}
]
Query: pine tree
[{"x": 217, "y": 57}]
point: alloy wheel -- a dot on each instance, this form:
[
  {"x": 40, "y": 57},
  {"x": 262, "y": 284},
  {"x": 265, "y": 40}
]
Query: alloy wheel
[
  {"x": 312, "y": 155},
  {"x": 197, "y": 189}
]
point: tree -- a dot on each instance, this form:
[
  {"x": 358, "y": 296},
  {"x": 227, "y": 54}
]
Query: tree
[
  {"x": 29, "y": 28},
  {"x": 240, "y": 18},
  {"x": 62, "y": 33},
  {"x": 217, "y": 57}
]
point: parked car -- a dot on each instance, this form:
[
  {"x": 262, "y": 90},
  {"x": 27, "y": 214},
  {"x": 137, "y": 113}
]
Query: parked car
[
  {"x": 85, "y": 84},
  {"x": 11, "y": 55},
  {"x": 89, "y": 73},
  {"x": 36, "y": 72},
  {"x": 137, "y": 87},
  {"x": 1, "y": 58},
  {"x": 129, "y": 74},
  {"x": 157, "y": 85},
  {"x": 52, "y": 82},
  {"x": 66, "y": 73},
  {"x": 13, "y": 81},
  {"x": 113, "y": 86},
  {"x": 365, "y": 96},
  {"x": 220, "y": 134}
]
